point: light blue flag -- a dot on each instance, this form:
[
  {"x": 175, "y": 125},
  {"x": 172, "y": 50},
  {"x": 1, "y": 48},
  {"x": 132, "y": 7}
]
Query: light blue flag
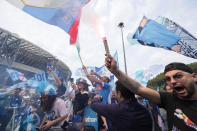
[
  {"x": 155, "y": 34},
  {"x": 139, "y": 76},
  {"x": 166, "y": 34},
  {"x": 187, "y": 44},
  {"x": 16, "y": 75},
  {"x": 116, "y": 58}
]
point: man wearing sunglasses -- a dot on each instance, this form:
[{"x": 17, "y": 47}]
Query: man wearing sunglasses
[{"x": 181, "y": 104}]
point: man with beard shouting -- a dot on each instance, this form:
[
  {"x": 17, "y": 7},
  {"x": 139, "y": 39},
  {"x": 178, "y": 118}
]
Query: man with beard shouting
[{"x": 181, "y": 104}]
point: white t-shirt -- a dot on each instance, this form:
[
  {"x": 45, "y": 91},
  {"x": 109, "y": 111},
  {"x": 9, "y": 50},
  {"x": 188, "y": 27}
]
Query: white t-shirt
[
  {"x": 58, "y": 110},
  {"x": 69, "y": 108}
]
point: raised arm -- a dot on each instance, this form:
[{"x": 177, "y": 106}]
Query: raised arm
[
  {"x": 90, "y": 77},
  {"x": 57, "y": 80},
  {"x": 96, "y": 74},
  {"x": 130, "y": 83}
]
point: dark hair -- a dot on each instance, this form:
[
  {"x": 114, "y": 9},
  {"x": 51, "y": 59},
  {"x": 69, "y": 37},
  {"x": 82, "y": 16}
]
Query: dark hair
[
  {"x": 126, "y": 93},
  {"x": 86, "y": 87},
  {"x": 177, "y": 66},
  {"x": 47, "y": 106},
  {"x": 89, "y": 128}
]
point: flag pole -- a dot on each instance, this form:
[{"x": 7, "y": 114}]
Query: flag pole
[
  {"x": 121, "y": 25},
  {"x": 80, "y": 59},
  {"x": 78, "y": 51}
]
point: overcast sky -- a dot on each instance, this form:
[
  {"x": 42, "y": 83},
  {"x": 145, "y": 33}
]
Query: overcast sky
[{"x": 111, "y": 12}]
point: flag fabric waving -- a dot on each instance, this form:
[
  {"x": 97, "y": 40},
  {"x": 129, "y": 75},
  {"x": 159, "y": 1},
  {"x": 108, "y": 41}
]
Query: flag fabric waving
[
  {"x": 144, "y": 75},
  {"x": 116, "y": 58},
  {"x": 16, "y": 75},
  {"x": 62, "y": 13},
  {"x": 188, "y": 43},
  {"x": 152, "y": 33},
  {"x": 100, "y": 70}
]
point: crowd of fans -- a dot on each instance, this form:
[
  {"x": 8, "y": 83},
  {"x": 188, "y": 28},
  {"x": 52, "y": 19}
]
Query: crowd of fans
[{"x": 132, "y": 107}]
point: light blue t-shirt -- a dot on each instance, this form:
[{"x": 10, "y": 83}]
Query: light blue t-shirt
[
  {"x": 91, "y": 118},
  {"x": 103, "y": 91}
]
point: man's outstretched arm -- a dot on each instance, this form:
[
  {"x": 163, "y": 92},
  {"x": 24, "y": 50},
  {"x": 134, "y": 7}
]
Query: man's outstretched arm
[
  {"x": 130, "y": 83},
  {"x": 90, "y": 77}
]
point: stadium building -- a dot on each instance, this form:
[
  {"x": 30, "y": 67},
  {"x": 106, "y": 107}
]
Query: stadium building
[{"x": 27, "y": 58}]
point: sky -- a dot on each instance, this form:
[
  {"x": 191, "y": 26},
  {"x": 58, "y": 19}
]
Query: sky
[{"x": 111, "y": 13}]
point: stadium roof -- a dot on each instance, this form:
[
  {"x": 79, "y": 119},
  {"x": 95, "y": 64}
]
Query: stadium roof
[{"x": 17, "y": 51}]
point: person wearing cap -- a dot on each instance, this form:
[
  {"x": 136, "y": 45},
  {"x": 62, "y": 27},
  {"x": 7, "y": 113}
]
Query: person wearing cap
[
  {"x": 80, "y": 101},
  {"x": 53, "y": 106},
  {"x": 181, "y": 104}
]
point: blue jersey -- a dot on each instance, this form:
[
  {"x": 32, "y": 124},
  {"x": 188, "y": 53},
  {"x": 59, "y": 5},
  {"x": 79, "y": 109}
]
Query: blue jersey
[
  {"x": 103, "y": 91},
  {"x": 91, "y": 118}
]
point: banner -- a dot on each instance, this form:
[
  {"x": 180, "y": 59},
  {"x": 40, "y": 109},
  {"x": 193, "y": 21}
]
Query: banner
[
  {"x": 188, "y": 43},
  {"x": 32, "y": 83},
  {"x": 16, "y": 75},
  {"x": 167, "y": 35}
]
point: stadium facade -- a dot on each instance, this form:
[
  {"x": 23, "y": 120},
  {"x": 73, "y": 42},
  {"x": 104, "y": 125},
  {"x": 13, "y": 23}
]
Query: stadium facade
[{"x": 27, "y": 58}]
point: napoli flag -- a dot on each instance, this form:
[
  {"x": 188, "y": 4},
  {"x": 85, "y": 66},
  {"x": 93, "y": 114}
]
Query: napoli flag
[
  {"x": 62, "y": 13},
  {"x": 166, "y": 34},
  {"x": 16, "y": 75}
]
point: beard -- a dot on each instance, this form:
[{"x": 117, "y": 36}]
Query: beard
[
  {"x": 190, "y": 89},
  {"x": 190, "y": 92}
]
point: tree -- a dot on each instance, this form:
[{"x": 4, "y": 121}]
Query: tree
[{"x": 193, "y": 66}]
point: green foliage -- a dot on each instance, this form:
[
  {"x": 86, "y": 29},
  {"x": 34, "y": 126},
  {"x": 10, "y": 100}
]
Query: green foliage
[
  {"x": 193, "y": 66},
  {"x": 158, "y": 81}
]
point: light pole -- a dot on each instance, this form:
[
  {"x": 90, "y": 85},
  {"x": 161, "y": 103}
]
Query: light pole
[{"x": 121, "y": 25}]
